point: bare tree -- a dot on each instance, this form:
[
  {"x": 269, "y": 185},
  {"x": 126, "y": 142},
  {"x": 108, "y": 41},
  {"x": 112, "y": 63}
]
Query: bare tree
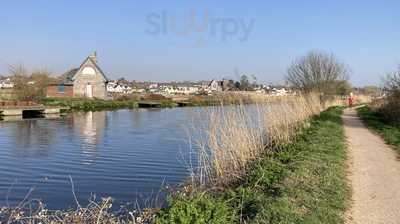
[
  {"x": 392, "y": 81},
  {"x": 317, "y": 72},
  {"x": 29, "y": 86},
  {"x": 390, "y": 105}
]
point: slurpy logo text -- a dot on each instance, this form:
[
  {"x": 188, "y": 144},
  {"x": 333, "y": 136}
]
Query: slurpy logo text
[{"x": 200, "y": 25}]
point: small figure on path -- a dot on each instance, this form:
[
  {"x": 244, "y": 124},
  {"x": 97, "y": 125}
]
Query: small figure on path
[{"x": 351, "y": 100}]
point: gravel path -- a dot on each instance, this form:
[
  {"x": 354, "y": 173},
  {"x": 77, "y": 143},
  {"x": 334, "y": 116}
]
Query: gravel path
[{"x": 374, "y": 174}]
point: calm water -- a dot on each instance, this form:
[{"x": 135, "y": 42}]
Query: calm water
[{"x": 125, "y": 154}]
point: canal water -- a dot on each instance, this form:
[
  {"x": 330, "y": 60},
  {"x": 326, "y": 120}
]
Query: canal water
[{"x": 128, "y": 155}]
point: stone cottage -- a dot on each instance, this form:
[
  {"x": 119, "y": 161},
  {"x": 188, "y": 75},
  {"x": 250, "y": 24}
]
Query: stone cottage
[{"x": 87, "y": 81}]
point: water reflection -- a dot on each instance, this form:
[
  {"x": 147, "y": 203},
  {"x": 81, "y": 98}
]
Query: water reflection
[
  {"x": 90, "y": 127},
  {"x": 124, "y": 154},
  {"x": 32, "y": 132}
]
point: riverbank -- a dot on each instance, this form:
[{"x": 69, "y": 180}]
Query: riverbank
[
  {"x": 91, "y": 105},
  {"x": 157, "y": 102},
  {"x": 304, "y": 182},
  {"x": 389, "y": 131}
]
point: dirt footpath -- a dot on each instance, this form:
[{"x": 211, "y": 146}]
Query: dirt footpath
[{"x": 374, "y": 175}]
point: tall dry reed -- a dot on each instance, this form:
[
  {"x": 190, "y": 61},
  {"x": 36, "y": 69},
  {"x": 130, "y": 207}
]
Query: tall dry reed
[{"x": 235, "y": 135}]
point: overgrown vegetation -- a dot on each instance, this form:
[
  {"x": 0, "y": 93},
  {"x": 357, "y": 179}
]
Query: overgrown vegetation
[
  {"x": 390, "y": 131},
  {"x": 97, "y": 211},
  {"x": 152, "y": 99},
  {"x": 98, "y": 104},
  {"x": 389, "y": 107},
  {"x": 90, "y": 105},
  {"x": 303, "y": 182},
  {"x": 29, "y": 86}
]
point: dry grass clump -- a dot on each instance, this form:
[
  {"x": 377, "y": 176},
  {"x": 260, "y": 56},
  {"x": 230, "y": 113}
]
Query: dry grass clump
[
  {"x": 94, "y": 213},
  {"x": 283, "y": 119},
  {"x": 239, "y": 134}
]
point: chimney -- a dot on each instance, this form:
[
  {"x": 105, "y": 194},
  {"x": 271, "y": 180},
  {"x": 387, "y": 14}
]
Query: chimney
[{"x": 94, "y": 57}]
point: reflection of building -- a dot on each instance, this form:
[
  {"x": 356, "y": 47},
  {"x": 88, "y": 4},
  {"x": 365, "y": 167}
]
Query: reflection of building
[
  {"x": 90, "y": 126},
  {"x": 89, "y": 130}
]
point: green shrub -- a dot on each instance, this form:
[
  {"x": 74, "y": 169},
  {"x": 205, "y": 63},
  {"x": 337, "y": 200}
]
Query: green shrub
[
  {"x": 197, "y": 210},
  {"x": 90, "y": 105},
  {"x": 389, "y": 130},
  {"x": 390, "y": 109}
]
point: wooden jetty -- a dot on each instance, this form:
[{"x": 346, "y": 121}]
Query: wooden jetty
[
  {"x": 36, "y": 109},
  {"x": 149, "y": 104}
]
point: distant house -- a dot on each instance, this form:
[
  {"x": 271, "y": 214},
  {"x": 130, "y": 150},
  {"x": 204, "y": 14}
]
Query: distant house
[
  {"x": 218, "y": 86},
  {"x": 6, "y": 84},
  {"x": 115, "y": 87},
  {"x": 87, "y": 81},
  {"x": 179, "y": 90},
  {"x": 215, "y": 86},
  {"x": 279, "y": 92}
]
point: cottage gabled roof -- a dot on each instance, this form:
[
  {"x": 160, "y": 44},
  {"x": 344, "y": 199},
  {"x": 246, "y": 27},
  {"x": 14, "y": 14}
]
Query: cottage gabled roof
[
  {"x": 92, "y": 60},
  {"x": 67, "y": 78}
]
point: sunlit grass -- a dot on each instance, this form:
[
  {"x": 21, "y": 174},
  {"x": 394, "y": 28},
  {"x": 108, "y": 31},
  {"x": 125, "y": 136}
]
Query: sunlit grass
[{"x": 390, "y": 131}]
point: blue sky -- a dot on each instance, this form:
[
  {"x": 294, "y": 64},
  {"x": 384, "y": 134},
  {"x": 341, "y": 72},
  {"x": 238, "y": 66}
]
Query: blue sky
[{"x": 132, "y": 41}]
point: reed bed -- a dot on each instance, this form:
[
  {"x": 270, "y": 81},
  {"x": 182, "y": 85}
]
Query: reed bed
[{"x": 236, "y": 135}]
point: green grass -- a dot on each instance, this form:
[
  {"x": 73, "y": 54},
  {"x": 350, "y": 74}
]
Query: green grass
[
  {"x": 303, "y": 183},
  {"x": 390, "y": 131},
  {"x": 98, "y": 104},
  {"x": 90, "y": 105}
]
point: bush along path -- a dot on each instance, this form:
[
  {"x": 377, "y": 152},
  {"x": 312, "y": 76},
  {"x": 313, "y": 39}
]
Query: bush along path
[
  {"x": 303, "y": 183},
  {"x": 374, "y": 170},
  {"x": 390, "y": 131}
]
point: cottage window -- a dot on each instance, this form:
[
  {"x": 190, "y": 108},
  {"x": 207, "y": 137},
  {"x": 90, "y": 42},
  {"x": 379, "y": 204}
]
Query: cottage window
[
  {"x": 61, "y": 89},
  {"x": 88, "y": 71}
]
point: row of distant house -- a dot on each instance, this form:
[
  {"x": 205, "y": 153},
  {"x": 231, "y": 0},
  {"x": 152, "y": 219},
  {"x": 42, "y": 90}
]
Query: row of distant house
[
  {"x": 89, "y": 81},
  {"x": 202, "y": 88}
]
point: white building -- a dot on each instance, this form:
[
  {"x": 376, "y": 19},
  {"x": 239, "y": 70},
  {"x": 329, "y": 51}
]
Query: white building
[
  {"x": 113, "y": 87},
  {"x": 6, "y": 84},
  {"x": 215, "y": 86},
  {"x": 179, "y": 90},
  {"x": 279, "y": 92}
]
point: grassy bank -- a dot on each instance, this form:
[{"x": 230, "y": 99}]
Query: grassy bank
[
  {"x": 90, "y": 105},
  {"x": 304, "y": 182},
  {"x": 154, "y": 100},
  {"x": 98, "y": 104},
  {"x": 390, "y": 131}
]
